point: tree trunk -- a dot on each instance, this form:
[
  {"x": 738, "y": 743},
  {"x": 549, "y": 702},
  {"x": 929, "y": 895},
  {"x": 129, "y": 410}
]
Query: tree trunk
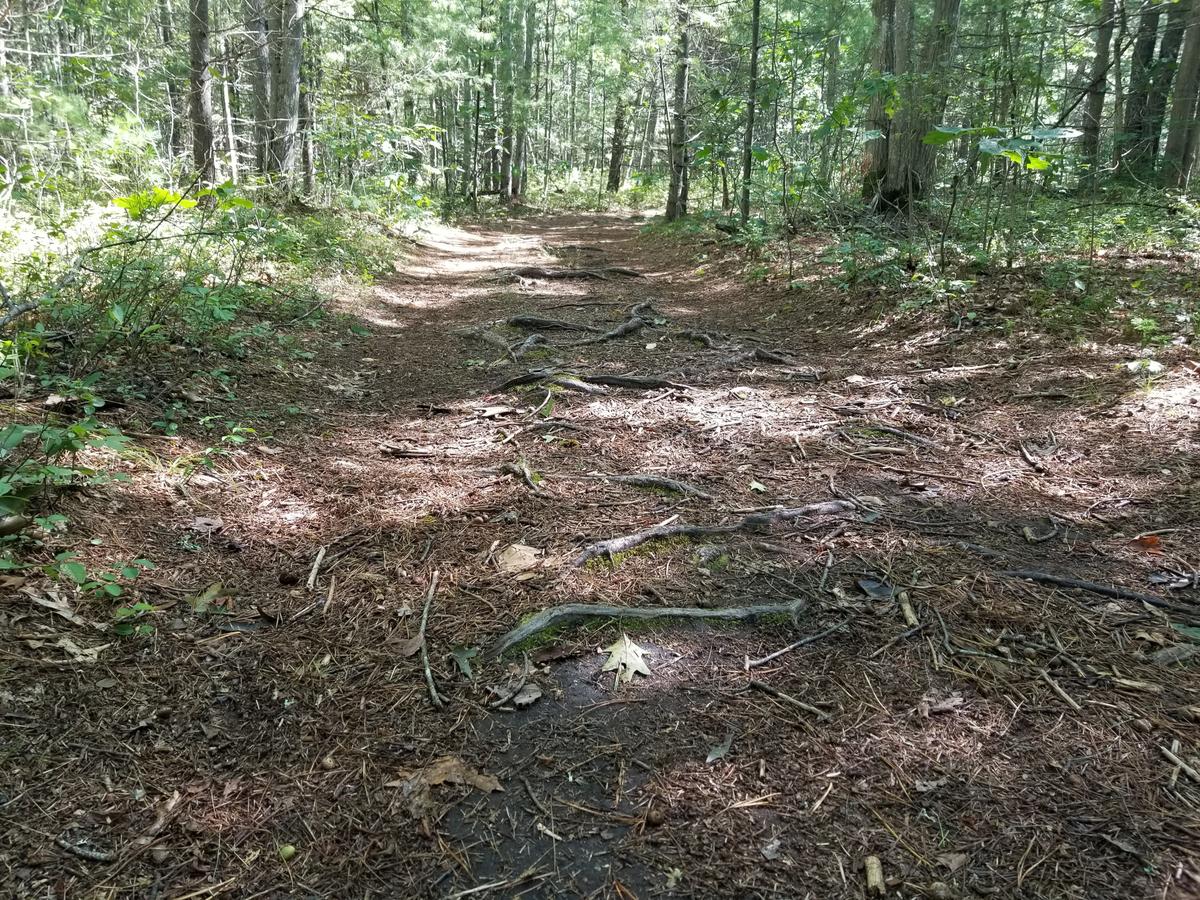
[
  {"x": 227, "y": 108},
  {"x": 875, "y": 152},
  {"x": 175, "y": 106},
  {"x": 618, "y": 148},
  {"x": 1163, "y": 77},
  {"x": 677, "y": 190},
  {"x": 1094, "y": 108},
  {"x": 259, "y": 65},
  {"x": 201, "y": 93},
  {"x": 910, "y": 161},
  {"x": 751, "y": 97},
  {"x": 285, "y": 92},
  {"x": 1132, "y": 139},
  {"x": 1183, "y": 128}
]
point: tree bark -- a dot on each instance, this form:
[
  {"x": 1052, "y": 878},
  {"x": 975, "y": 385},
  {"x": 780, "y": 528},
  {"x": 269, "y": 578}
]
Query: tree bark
[
  {"x": 1183, "y": 128},
  {"x": 201, "y": 92},
  {"x": 751, "y": 98},
  {"x": 1094, "y": 107},
  {"x": 677, "y": 189},
  {"x": 875, "y": 152},
  {"x": 285, "y": 92},
  {"x": 1132, "y": 139},
  {"x": 259, "y": 66}
]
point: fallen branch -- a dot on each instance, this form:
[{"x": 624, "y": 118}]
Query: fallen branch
[
  {"x": 811, "y": 639},
  {"x": 754, "y": 522},
  {"x": 574, "y": 612},
  {"x": 433, "y": 694},
  {"x": 789, "y": 699}
]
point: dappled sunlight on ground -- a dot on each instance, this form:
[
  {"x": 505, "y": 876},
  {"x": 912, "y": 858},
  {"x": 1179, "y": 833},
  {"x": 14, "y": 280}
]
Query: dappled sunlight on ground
[{"x": 984, "y": 734}]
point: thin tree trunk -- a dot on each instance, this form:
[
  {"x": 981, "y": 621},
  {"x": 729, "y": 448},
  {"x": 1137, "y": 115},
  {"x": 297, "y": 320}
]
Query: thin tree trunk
[
  {"x": 751, "y": 98},
  {"x": 259, "y": 65},
  {"x": 201, "y": 92},
  {"x": 1094, "y": 109},
  {"x": 677, "y": 190},
  {"x": 227, "y": 109}
]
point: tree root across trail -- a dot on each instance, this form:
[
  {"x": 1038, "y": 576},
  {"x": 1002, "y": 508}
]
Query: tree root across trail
[
  {"x": 575, "y": 612},
  {"x": 753, "y": 522},
  {"x": 603, "y": 273},
  {"x": 590, "y": 384}
]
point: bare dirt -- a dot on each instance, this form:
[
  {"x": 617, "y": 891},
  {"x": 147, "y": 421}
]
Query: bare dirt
[{"x": 980, "y": 733}]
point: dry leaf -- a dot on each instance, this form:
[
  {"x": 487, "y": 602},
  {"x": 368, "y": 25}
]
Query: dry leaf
[
  {"x": 417, "y": 787},
  {"x": 517, "y": 558},
  {"x": 1151, "y": 543},
  {"x": 953, "y": 861},
  {"x": 527, "y": 696},
  {"x": 206, "y": 525},
  {"x": 411, "y": 646},
  {"x": 626, "y": 659}
]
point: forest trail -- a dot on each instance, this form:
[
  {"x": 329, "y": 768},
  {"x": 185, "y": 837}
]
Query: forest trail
[{"x": 959, "y": 715}]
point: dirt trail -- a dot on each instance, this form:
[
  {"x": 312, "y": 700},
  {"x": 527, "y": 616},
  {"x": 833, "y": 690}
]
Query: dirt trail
[{"x": 982, "y": 734}]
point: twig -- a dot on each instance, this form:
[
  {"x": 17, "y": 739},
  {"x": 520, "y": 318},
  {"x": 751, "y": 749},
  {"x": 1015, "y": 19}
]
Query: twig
[
  {"x": 1183, "y": 767},
  {"x": 312, "y": 576},
  {"x": 788, "y": 698},
  {"x": 433, "y": 694},
  {"x": 811, "y": 639},
  {"x": 1058, "y": 689}
]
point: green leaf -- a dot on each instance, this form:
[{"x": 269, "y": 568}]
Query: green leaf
[
  {"x": 1191, "y": 632},
  {"x": 462, "y": 656},
  {"x": 73, "y": 570}
]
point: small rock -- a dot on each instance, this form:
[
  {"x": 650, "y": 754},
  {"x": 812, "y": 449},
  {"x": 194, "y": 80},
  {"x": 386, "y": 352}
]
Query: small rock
[
  {"x": 656, "y": 816},
  {"x": 1143, "y": 725}
]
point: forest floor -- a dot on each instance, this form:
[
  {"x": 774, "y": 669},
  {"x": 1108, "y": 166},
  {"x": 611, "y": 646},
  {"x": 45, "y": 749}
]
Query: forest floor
[{"x": 978, "y": 728}]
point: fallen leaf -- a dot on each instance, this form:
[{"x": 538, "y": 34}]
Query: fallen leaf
[
  {"x": 876, "y": 589},
  {"x": 924, "y": 787},
  {"x": 770, "y": 850},
  {"x": 270, "y": 451},
  {"x": 517, "y": 558},
  {"x": 758, "y": 486},
  {"x": 72, "y": 649},
  {"x": 528, "y": 695},
  {"x": 626, "y": 659},
  {"x": 1151, "y": 543},
  {"x": 55, "y": 604},
  {"x": 462, "y": 657},
  {"x": 719, "y": 751},
  {"x": 409, "y": 647},
  {"x": 492, "y": 412},
  {"x": 953, "y": 861},
  {"x": 417, "y": 786},
  {"x": 1170, "y": 655},
  {"x": 206, "y": 525}
]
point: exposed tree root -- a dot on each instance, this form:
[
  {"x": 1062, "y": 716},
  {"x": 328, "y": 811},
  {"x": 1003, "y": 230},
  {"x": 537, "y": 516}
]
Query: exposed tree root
[
  {"x": 600, "y": 274},
  {"x": 1090, "y": 587},
  {"x": 590, "y": 384},
  {"x": 753, "y": 522},
  {"x": 647, "y": 481},
  {"x": 867, "y": 425},
  {"x": 574, "y": 612},
  {"x": 701, "y": 337},
  {"x": 533, "y": 322},
  {"x": 533, "y": 342},
  {"x": 637, "y": 318}
]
